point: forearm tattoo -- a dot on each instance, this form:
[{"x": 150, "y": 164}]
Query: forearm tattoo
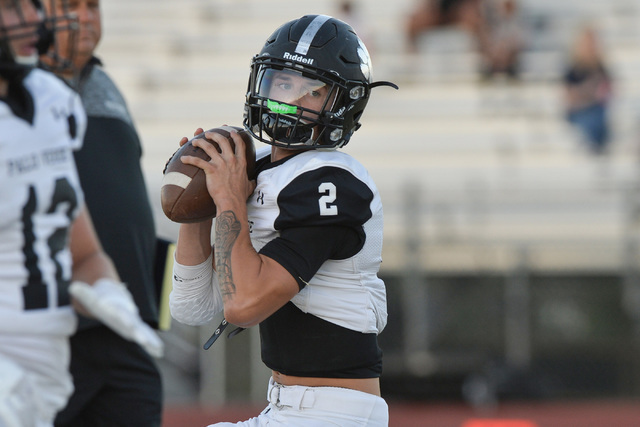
[{"x": 227, "y": 231}]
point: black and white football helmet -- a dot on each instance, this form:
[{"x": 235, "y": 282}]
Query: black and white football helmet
[
  {"x": 26, "y": 21},
  {"x": 314, "y": 56}
]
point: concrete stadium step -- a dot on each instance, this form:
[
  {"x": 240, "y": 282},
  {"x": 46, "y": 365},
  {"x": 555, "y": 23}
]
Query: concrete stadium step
[{"x": 497, "y": 164}]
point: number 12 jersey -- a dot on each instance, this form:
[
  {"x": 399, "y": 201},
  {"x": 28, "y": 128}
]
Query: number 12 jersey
[{"x": 40, "y": 195}]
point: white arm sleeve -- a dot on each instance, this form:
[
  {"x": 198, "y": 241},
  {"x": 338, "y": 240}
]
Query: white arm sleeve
[{"x": 195, "y": 298}]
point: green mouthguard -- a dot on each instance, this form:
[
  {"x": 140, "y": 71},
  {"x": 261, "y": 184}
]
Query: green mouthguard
[{"x": 276, "y": 107}]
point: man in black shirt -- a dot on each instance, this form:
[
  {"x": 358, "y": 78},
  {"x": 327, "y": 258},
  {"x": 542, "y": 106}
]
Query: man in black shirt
[{"x": 116, "y": 382}]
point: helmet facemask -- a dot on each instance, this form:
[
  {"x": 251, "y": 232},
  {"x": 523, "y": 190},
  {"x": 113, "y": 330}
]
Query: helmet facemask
[
  {"x": 56, "y": 56},
  {"x": 24, "y": 25},
  {"x": 294, "y": 108},
  {"x": 19, "y": 32},
  {"x": 327, "y": 56}
]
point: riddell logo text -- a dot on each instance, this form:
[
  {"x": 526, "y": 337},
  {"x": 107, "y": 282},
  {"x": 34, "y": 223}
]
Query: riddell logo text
[{"x": 298, "y": 58}]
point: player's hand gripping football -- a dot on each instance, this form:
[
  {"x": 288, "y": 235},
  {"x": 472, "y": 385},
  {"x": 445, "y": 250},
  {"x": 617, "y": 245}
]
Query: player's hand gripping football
[
  {"x": 226, "y": 172},
  {"x": 184, "y": 139},
  {"x": 112, "y": 304}
]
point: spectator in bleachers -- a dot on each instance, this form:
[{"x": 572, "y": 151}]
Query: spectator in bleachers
[
  {"x": 588, "y": 90},
  {"x": 430, "y": 14},
  {"x": 494, "y": 25},
  {"x": 503, "y": 41}
]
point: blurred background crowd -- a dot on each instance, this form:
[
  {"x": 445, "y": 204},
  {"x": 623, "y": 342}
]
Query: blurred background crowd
[{"x": 507, "y": 164}]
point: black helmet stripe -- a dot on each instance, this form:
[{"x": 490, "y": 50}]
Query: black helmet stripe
[{"x": 309, "y": 34}]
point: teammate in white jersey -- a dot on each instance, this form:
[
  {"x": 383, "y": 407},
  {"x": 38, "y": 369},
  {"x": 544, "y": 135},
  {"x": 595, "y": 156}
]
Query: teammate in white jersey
[
  {"x": 46, "y": 237},
  {"x": 297, "y": 251}
]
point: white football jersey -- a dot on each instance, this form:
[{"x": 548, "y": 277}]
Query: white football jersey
[
  {"x": 326, "y": 188},
  {"x": 40, "y": 195}
]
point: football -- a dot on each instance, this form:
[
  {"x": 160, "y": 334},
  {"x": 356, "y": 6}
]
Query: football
[{"x": 184, "y": 195}]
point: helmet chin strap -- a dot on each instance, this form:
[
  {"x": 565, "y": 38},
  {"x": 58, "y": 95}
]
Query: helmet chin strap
[{"x": 287, "y": 134}]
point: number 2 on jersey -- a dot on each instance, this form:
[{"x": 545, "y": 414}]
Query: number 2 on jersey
[{"x": 327, "y": 208}]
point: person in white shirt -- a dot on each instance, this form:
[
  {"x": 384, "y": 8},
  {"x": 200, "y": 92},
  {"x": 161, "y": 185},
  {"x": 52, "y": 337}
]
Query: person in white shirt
[{"x": 48, "y": 248}]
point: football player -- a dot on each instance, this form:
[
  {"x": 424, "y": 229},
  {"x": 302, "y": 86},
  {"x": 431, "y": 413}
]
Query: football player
[
  {"x": 298, "y": 250},
  {"x": 115, "y": 372},
  {"x": 46, "y": 236}
]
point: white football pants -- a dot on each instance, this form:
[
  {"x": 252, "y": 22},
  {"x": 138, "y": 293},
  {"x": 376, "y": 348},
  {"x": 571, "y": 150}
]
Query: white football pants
[
  {"x": 318, "y": 407},
  {"x": 36, "y": 383}
]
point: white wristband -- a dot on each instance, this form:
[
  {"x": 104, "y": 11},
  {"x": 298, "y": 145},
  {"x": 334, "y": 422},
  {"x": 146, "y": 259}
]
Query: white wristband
[
  {"x": 189, "y": 274},
  {"x": 195, "y": 298}
]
